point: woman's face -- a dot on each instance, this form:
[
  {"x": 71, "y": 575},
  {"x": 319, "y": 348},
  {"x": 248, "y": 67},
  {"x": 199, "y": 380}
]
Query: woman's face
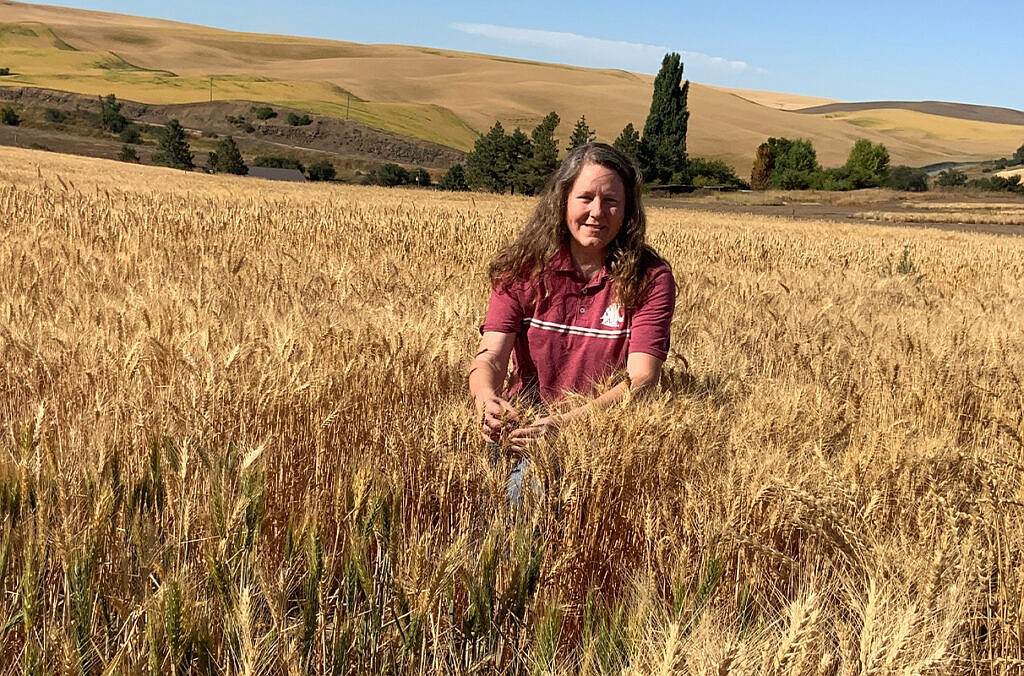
[{"x": 595, "y": 210}]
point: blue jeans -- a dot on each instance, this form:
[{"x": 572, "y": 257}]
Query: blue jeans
[{"x": 516, "y": 485}]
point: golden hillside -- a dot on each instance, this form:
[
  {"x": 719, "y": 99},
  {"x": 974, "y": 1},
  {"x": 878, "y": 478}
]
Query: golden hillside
[{"x": 442, "y": 96}]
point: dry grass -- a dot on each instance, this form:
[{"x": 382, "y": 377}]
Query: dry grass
[
  {"x": 236, "y": 437},
  {"x": 934, "y": 214}
]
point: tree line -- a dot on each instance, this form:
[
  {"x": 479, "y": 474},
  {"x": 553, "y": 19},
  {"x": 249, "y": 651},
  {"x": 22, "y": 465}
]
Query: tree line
[{"x": 520, "y": 163}]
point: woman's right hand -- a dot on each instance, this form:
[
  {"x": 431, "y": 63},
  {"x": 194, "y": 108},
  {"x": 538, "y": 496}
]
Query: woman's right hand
[{"x": 497, "y": 416}]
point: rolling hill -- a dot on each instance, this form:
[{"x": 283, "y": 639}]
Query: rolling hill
[{"x": 448, "y": 97}]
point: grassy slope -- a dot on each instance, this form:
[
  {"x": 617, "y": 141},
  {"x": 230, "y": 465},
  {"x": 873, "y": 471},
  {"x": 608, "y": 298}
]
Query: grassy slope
[{"x": 437, "y": 95}]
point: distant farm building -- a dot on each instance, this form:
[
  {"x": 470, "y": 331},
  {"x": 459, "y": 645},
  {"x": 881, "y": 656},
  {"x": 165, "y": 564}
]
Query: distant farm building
[{"x": 276, "y": 174}]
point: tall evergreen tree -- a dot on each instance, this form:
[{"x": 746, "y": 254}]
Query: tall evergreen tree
[
  {"x": 581, "y": 133},
  {"x": 533, "y": 173},
  {"x": 487, "y": 165},
  {"x": 629, "y": 142},
  {"x": 172, "y": 148},
  {"x": 518, "y": 149},
  {"x": 663, "y": 146},
  {"x": 229, "y": 159}
]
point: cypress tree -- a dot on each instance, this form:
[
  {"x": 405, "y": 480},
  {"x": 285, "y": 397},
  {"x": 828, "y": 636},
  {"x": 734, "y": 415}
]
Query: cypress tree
[{"x": 663, "y": 147}]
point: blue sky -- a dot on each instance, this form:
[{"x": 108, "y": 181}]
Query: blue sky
[{"x": 853, "y": 51}]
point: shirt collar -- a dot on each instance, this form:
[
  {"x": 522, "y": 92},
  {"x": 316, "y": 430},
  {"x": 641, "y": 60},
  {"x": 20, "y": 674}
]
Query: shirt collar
[{"x": 562, "y": 262}]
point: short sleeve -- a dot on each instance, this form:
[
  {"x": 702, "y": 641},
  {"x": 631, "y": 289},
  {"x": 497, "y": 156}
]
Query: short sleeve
[
  {"x": 504, "y": 311},
  {"x": 651, "y": 325}
]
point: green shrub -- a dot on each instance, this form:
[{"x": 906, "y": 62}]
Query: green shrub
[
  {"x": 263, "y": 112},
  {"x": 131, "y": 134},
  {"x": 278, "y": 162},
  {"x": 709, "y": 172},
  {"x": 9, "y": 117},
  {"x": 835, "y": 179},
  {"x": 128, "y": 154},
  {"x": 997, "y": 184},
  {"x": 322, "y": 170},
  {"x": 111, "y": 118},
  {"x": 55, "y": 116},
  {"x": 297, "y": 120},
  {"x": 454, "y": 179},
  {"x": 907, "y": 179},
  {"x": 388, "y": 175},
  {"x": 951, "y": 178},
  {"x": 420, "y": 177}
]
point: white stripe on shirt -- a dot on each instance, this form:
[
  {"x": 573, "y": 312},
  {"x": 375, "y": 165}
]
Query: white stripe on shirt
[{"x": 575, "y": 330}]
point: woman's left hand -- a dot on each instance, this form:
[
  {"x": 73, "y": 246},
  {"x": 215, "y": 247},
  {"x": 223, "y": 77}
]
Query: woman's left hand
[{"x": 539, "y": 428}]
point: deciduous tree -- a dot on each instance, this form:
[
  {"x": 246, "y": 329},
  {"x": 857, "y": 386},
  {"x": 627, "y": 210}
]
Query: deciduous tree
[
  {"x": 868, "y": 164},
  {"x": 111, "y": 118},
  {"x": 906, "y": 178}
]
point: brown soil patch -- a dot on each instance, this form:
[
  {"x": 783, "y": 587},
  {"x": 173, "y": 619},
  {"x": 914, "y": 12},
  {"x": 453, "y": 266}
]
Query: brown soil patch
[{"x": 962, "y": 111}]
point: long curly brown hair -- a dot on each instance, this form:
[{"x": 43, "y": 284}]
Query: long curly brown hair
[{"x": 628, "y": 257}]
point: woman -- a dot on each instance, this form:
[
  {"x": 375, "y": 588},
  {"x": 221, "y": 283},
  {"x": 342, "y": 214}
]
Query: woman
[{"x": 577, "y": 297}]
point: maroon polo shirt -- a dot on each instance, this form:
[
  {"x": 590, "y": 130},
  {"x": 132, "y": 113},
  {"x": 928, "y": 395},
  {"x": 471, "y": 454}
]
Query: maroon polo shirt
[{"x": 576, "y": 337}]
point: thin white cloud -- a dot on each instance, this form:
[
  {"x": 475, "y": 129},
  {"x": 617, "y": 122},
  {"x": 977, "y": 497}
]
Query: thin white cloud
[{"x": 597, "y": 52}]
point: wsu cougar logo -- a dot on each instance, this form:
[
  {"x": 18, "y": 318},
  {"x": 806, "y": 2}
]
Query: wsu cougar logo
[{"x": 613, "y": 316}]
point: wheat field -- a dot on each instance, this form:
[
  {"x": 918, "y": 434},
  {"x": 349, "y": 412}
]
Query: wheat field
[{"x": 236, "y": 438}]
